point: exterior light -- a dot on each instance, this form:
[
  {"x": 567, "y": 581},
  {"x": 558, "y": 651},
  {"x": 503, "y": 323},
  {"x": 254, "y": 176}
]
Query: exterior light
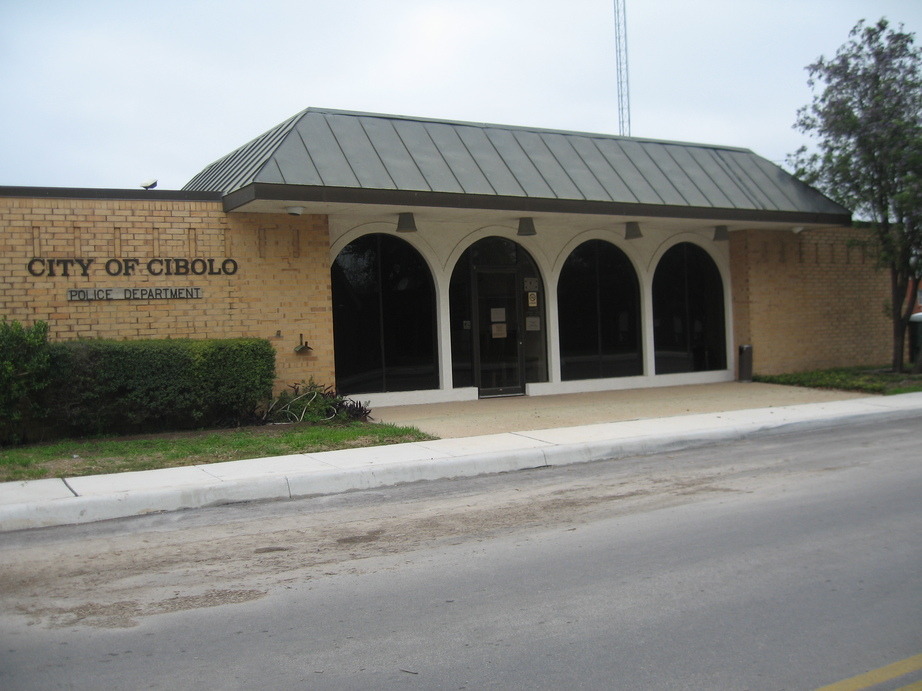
[
  {"x": 406, "y": 223},
  {"x": 302, "y": 347},
  {"x": 721, "y": 233},
  {"x": 526, "y": 226},
  {"x": 632, "y": 230}
]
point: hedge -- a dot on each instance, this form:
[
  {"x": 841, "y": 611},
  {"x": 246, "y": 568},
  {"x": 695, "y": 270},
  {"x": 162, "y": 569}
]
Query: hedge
[
  {"x": 159, "y": 385},
  {"x": 25, "y": 366},
  {"x": 83, "y": 388}
]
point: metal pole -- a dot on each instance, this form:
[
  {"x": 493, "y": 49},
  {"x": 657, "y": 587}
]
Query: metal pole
[{"x": 624, "y": 91}]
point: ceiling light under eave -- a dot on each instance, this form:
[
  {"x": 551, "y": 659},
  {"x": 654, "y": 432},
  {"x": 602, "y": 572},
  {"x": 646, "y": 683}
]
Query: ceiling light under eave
[
  {"x": 406, "y": 222},
  {"x": 526, "y": 227}
]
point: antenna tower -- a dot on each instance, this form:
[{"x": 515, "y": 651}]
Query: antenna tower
[{"x": 624, "y": 90}]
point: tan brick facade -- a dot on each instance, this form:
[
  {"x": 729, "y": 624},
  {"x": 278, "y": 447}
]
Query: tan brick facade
[
  {"x": 808, "y": 300},
  {"x": 803, "y": 301},
  {"x": 277, "y": 282}
]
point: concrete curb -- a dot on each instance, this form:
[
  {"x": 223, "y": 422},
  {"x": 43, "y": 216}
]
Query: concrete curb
[{"x": 44, "y": 503}]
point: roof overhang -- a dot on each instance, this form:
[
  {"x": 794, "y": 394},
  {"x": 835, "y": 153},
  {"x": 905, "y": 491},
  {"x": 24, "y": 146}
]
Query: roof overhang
[
  {"x": 275, "y": 198},
  {"x": 108, "y": 193}
]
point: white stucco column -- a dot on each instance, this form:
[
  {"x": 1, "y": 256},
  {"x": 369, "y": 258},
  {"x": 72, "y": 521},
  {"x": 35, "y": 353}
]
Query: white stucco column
[{"x": 443, "y": 329}]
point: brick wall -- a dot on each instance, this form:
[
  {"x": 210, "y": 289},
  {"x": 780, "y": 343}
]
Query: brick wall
[
  {"x": 802, "y": 301},
  {"x": 278, "y": 282},
  {"x": 808, "y": 300}
]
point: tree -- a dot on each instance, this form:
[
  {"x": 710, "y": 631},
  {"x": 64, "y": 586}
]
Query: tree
[{"x": 866, "y": 116}]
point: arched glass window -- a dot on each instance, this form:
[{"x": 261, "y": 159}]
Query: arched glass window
[
  {"x": 689, "y": 332},
  {"x": 598, "y": 310},
  {"x": 384, "y": 317}
]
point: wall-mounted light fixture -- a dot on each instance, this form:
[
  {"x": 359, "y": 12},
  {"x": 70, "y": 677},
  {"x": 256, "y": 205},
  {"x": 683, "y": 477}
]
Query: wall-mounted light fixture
[
  {"x": 302, "y": 347},
  {"x": 406, "y": 223},
  {"x": 797, "y": 229},
  {"x": 632, "y": 230},
  {"x": 526, "y": 227},
  {"x": 721, "y": 233},
  {"x": 294, "y": 210}
]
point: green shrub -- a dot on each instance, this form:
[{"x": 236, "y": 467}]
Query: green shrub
[
  {"x": 25, "y": 363},
  {"x": 236, "y": 376},
  {"x": 103, "y": 387}
]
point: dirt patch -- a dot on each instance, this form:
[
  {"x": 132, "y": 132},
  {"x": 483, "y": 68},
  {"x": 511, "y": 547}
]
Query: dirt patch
[
  {"x": 370, "y": 536},
  {"x": 117, "y": 580},
  {"x": 126, "y": 613}
]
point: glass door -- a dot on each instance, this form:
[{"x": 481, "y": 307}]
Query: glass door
[{"x": 499, "y": 337}]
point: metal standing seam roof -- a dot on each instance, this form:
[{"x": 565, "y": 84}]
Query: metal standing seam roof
[{"x": 369, "y": 157}]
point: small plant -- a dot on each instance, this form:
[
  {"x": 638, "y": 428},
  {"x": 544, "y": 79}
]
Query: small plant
[
  {"x": 355, "y": 410},
  {"x": 314, "y": 403}
]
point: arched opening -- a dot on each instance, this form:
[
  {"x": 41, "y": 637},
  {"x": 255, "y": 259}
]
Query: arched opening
[
  {"x": 497, "y": 319},
  {"x": 384, "y": 317},
  {"x": 689, "y": 331},
  {"x": 598, "y": 311}
]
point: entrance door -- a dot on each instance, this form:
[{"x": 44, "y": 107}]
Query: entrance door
[
  {"x": 498, "y": 337},
  {"x": 498, "y": 333}
]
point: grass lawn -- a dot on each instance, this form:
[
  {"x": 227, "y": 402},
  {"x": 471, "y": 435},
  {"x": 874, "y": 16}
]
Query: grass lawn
[
  {"x": 70, "y": 458},
  {"x": 861, "y": 379}
]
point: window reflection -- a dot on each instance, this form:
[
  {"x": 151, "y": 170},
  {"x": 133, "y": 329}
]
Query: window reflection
[
  {"x": 383, "y": 317},
  {"x": 598, "y": 303},
  {"x": 688, "y": 312}
]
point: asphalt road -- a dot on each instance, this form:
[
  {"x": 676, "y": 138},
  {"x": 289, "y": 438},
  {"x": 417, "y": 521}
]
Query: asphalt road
[{"x": 787, "y": 562}]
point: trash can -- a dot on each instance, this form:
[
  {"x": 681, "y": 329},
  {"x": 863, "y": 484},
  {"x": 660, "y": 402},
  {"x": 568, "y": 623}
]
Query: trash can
[{"x": 744, "y": 363}]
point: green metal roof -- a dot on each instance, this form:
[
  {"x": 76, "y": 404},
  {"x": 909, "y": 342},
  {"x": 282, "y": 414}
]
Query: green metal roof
[{"x": 345, "y": 156}]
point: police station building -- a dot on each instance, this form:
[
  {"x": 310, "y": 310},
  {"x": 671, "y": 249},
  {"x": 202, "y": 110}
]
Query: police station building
[{"x": 405, "y": 260}]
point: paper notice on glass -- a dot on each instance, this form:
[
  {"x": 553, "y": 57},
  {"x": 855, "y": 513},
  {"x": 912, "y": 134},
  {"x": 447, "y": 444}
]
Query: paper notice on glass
[
  {"x": 498, "y": 314},
  {"x": 499, "y": 331}
]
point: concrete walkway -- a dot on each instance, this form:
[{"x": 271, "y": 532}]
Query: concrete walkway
[
  {"x": 517, "y": 413},
  {"x": 477, "y": 439}
]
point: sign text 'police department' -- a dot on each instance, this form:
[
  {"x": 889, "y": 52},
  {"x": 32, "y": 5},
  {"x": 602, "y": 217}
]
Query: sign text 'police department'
[{"x": 87, "y": 294}]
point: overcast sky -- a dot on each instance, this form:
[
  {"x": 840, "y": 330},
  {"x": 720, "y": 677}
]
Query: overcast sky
[{"x": 110, "y": 93}]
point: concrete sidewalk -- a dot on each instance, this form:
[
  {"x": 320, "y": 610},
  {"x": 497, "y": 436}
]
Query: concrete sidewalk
[{"x": 41, "y": 503}]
